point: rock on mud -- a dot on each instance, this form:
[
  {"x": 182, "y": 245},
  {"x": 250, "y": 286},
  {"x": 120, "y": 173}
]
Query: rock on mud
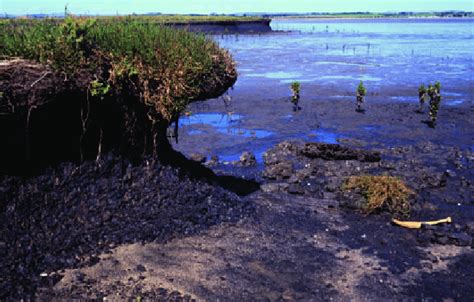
[
  {"x": 279, "y": 171},
  {"x": 247, "y": 159},
  {"x": 338, "y": 152}
]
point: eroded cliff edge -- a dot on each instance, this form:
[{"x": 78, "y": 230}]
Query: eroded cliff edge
[{"x": 54, "y": 110}]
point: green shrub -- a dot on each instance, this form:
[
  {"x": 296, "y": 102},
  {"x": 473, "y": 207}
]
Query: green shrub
[{"x": 99, "y": 89}]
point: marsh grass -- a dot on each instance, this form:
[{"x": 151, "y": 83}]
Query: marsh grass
[
  {"x": 382, "y": 192},
  {"x": 166, "y": 66}
]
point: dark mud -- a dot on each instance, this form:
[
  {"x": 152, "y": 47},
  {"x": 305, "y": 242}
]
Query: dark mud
[
  {"x": 300, "y": 238},
  {"x": 382, "y": 125},
  {"x": 70, "y": 215},
  {"x": 115, "y": 230},
  {"x": 292, "y": 248},
  {"x": 364, "y": 257}
]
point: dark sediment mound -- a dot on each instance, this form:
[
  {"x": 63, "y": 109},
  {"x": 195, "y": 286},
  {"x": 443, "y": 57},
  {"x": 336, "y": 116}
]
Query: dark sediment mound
[
  {"x": 68, "y": 215},
  {"x": 71, "y": 214}
]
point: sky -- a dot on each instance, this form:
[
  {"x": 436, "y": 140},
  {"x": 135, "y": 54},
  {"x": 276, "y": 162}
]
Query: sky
[{"x": 21, "y": 7}]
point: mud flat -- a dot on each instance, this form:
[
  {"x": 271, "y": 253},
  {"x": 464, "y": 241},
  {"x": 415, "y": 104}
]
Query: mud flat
[
  {"x": 299, "y": 237},
  {"x": 303, "y": 237},
  {"x": 227, "y": 27}
]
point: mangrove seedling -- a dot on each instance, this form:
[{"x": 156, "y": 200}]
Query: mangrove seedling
[
  {"x": 295, "y": 88},
  {"x": 434, "y": 92},
  {"x": 360, "y": 93},
  {"x": 421, "y": 96}
]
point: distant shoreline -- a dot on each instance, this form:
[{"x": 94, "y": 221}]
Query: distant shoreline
[
  {"x": 248, "y": 17},
  {"x": 372, "y": 18}
]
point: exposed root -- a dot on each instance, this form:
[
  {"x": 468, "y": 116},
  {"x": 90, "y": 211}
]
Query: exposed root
[
  {"x": 176, "y": 129},
  {"x": 27, "y": 132},
  {"x": 38, "y": 80},
  {"x": 84, "y": 121},
  {"x": 99, "y": 147}
]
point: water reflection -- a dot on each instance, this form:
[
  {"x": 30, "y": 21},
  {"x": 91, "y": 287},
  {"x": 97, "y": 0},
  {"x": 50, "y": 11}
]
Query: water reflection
[
  {"x": 229, "y": 124},
  {"x": 324, "y": 136}
]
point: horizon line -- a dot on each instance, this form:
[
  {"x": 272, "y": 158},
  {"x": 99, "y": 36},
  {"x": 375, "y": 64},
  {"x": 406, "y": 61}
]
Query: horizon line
[{"x": 245, "y": 13}]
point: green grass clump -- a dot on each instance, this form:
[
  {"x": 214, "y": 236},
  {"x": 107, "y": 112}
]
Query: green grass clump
[
  {"x": 382, "y": 191},
  {"x": 165, "y": 67}
]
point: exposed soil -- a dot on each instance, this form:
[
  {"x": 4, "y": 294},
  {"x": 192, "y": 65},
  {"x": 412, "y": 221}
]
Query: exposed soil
[
  {"x": 120, "y": 231},
  {"x": 299, "y": 238},
  {"x": 71, "y": 214},
  {"x": 48, "y": 117},
  {"x": 296, "y": 248}
]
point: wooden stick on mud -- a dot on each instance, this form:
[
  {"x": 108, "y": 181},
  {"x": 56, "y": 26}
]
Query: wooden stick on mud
[{"x": 418, "y": 224}]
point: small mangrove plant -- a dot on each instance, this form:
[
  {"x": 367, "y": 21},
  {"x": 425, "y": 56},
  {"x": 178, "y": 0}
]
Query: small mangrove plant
[
  {"x": 295, "y": 98},
  {"x": 421, "y": 97},
  {"x": 434, "y": 92},
  {"x": 361, "y": 92}
]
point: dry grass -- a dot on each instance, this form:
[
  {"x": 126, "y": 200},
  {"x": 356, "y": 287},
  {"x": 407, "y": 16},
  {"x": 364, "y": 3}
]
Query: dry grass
[{"x": 382, "y": 192}]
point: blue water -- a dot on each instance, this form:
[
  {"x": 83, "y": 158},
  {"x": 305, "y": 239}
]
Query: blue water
[
  {"x": 371, "y": 127},
  {"x": 337, "y": 54},
  {"x": 228, "y": 124},
  {"x": 233, "y": 157},
  {"x": 324, "y": 136},
  {"x": 217, "y": 120}
]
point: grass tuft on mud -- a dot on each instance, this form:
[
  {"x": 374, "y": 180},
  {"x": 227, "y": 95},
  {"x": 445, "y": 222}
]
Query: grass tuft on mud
[
  {"x": 164, "y": 67},
  {"x": 381, "y": 192}
]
